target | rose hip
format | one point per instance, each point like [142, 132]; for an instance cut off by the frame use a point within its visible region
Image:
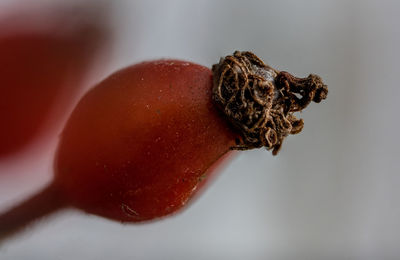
[145, 137]
[140, 144]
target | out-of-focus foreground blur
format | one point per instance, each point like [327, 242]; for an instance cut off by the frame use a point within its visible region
[45, 56]
[331, 193]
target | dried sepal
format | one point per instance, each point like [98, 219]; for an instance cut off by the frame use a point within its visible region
[259, 101]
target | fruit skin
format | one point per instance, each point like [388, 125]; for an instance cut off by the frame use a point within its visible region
[41, 71]
[139, 144]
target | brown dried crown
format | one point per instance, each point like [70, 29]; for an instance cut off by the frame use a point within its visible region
[259, 101]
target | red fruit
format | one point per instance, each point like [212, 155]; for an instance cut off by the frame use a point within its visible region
[139, 145]
[41, 70]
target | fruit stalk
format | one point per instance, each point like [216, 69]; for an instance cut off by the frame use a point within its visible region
[47, 201]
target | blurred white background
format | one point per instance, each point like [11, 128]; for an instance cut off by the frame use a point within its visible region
[331, 193]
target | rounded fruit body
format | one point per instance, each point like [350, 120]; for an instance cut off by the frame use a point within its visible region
[139, 145]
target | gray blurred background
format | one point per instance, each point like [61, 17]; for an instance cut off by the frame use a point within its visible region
[331, 193]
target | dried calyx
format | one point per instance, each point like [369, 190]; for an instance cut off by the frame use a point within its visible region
[260, 101]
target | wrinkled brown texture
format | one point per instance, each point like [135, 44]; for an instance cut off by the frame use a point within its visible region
[260, 101]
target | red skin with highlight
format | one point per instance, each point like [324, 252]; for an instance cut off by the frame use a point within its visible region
[139, 145]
